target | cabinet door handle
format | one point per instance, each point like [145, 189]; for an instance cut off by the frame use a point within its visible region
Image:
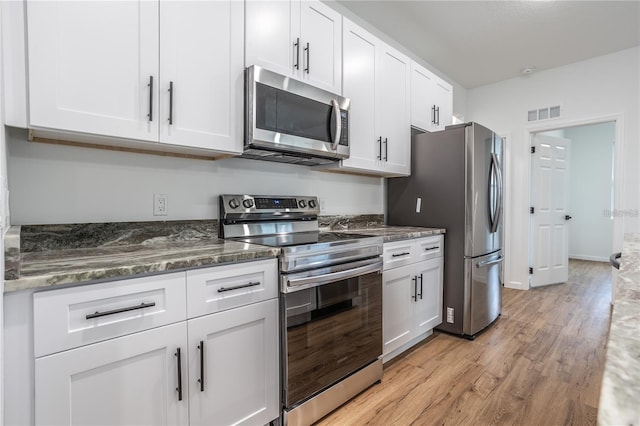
[150, 86]
[236, 287]
[296, 45]
[433, 114]
[415, 289]
[386, 149]
[380, 148]
[307, 49]
[431, 248]
[170, 103]
[420, 286]
[438, 116]
[179, 361]
[118, 311]
[201, 379]
[400, 254]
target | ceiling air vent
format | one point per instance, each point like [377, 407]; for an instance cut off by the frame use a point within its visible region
[543, 113]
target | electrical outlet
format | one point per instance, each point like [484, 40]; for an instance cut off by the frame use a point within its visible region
[160, 204]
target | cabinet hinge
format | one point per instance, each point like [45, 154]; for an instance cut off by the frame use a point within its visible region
[530, 270]
[532, 210]
[533, 149]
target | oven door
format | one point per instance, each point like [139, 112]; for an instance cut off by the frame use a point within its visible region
[330, 331]
[288, 115]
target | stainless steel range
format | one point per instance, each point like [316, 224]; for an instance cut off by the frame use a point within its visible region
[331, 300]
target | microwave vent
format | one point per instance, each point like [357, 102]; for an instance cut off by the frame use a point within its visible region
[279, 157]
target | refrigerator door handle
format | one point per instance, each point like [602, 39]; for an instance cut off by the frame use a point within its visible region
[495, 193]
[498, 170]
[486, 263]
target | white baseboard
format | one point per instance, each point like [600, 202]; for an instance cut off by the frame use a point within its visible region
[516, 285]
[587, 257]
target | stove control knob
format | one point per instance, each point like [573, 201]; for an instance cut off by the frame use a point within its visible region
[302, 204]
[234, 203]
[248, 203]
[312, 204]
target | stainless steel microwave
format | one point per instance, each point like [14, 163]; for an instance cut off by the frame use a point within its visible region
[287, 120]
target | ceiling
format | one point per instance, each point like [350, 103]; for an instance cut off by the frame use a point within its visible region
[482, 42]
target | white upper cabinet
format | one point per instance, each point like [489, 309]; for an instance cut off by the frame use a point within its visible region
[201, 74]
[431, 100]
[91, 65]
[301, 39]
[168, 71]
[376, 79]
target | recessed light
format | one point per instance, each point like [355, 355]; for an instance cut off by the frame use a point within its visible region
[527, 70]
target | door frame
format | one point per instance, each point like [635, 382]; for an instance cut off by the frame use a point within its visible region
[618, 169]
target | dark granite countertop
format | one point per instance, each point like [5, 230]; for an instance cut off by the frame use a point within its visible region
[39, 256]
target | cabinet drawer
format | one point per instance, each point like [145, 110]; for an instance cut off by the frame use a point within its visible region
[429, 248]
[225, 287]
[76, 316]
[398, 253]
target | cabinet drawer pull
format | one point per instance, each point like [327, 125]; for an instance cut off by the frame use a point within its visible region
[201, 379]
[400, 254]
[179, 388]
[150, 86]
[251, 284]
[380, 148]
[431, 248]
[420, 287]
[118, 311]
[386, 149]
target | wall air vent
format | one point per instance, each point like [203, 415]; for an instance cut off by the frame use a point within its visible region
[543, 113]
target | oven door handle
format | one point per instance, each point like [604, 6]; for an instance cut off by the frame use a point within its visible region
[335, 276]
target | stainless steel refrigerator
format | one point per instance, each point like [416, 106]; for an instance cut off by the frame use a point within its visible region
[456, 183]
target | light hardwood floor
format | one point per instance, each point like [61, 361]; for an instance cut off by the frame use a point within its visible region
[540, 363]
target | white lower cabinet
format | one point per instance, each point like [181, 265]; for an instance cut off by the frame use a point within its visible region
[412, 293]
[131, 380]
[219, 368]
[234, 366]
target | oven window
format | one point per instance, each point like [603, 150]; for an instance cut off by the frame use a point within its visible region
[331, 331]
[284, 112]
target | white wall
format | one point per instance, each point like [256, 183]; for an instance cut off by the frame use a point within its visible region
[591, 229]
[602, 87]
[61, 184]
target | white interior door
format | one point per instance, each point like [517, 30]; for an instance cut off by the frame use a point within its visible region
[550, 200]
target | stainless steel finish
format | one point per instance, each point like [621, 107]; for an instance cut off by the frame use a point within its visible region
[483, 296]
[296, 45]
[171, 103]
[386, 149]
[320, 255]
[458, 174]
[276, 146]
[308, 50]
[322, 404]
[317, 277]
[380, 148]
[262, 228]
[335, 115]
[120, 310]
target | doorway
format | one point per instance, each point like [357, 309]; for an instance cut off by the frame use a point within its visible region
[572, 198]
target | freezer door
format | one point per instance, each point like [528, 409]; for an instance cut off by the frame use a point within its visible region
[483, 219]
[483, 292]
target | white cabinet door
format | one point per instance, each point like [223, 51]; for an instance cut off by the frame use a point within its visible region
[90, 67]
[321, 46]
[428, 306]
[397, 311]
[131, 380]
[234, 366]
[201, 74]
[361, 53]
[298, 39]
[393, 118]
[431, 100]
[271, 35]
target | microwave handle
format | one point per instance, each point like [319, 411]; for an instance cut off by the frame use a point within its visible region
[335, 116]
